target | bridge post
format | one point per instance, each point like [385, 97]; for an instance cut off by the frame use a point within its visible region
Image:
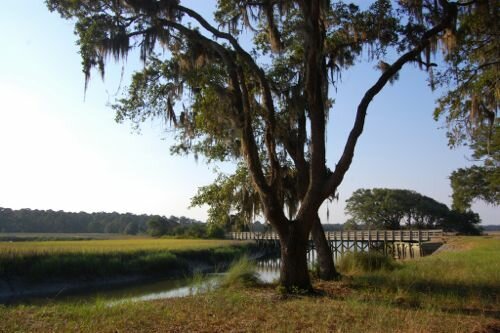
[334, 244]
[369, 239]
[410, 244]
[385, 242]
[355, 241]
[420, 243]
[341, 242]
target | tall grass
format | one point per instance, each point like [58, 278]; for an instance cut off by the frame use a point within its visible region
[364, 262]
[38, 261]
[242, 273]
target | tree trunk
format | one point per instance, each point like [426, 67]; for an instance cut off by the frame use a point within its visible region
[326, 267]
[294, 274]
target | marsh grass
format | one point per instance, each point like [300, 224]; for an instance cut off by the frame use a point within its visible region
[108, 245]
[44, 236]
[200, 283]
[242, 273]
[40, 261]
[365, 262]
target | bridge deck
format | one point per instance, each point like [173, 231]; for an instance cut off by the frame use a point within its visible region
[354, 236]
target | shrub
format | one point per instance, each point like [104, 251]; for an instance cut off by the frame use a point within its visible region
[362, 262]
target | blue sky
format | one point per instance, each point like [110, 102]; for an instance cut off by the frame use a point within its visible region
[62, 152]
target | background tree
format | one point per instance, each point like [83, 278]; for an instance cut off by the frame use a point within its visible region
[132, 228]
[267, 106]
[378, 208]
[466, 223]
[382, 208]
[158, 226]
[49, 221]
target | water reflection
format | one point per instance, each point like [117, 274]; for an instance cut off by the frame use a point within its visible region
[269, 267]
[209, 283]
[145, 289]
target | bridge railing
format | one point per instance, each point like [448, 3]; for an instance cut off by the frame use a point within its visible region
[357, 235]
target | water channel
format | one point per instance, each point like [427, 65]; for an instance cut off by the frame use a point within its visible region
[268, 271]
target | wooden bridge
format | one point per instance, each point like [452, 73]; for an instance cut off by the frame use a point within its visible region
[398, 243]
[354, 236]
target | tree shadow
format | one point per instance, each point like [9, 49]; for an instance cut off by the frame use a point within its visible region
[443, 289]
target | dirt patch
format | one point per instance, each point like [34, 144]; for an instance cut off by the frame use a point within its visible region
[455, 244]
[489, 328]
[332, 289]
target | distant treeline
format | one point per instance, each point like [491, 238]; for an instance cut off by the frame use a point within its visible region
[491, 227]
[32, 220]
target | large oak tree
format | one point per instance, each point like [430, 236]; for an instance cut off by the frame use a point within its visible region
[266, 104]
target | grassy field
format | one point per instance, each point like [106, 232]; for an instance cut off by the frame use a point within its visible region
[456, 290]
[46, 260]
[44, 236]
[114, 245]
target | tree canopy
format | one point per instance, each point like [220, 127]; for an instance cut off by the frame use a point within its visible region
[476, 182]
[50, 221]
[382, 208]
[267, 104]
[469, 105]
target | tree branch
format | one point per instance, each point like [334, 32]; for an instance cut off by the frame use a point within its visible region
[251, 153]
[346, 159]
[265, 86]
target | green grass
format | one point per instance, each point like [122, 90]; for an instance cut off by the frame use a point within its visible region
[467, 274]
[453, 291]
[114, 245]
[40, 261]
